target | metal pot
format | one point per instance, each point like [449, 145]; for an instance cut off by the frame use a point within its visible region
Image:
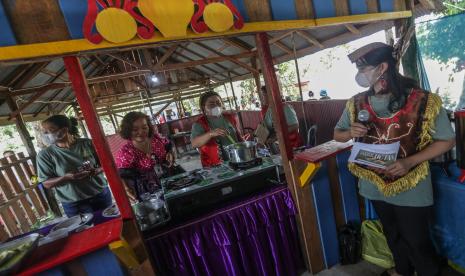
[242, 152]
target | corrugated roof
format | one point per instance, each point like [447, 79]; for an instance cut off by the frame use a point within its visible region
[190, 53]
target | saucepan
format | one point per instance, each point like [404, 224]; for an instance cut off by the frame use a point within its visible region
[242, 152]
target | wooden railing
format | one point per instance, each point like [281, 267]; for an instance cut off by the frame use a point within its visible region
[22, 203]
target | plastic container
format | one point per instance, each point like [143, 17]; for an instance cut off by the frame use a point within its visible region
[11, 266]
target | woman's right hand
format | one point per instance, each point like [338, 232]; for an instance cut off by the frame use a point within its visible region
[78, 175]
[358, 130]
[217, 132]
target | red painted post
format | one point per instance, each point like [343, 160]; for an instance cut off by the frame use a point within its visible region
[264, 53]
[81, 90]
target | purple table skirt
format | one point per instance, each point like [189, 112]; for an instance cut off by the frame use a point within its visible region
[257, 236]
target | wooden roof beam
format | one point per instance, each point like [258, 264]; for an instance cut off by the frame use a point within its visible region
[38, 94]
[131, 108]
[169, 52]
[66, 96]
[274, 39]
[128, 102]
[149, 59]
[192, 64]
[428, 4]
[238, 43]
[334, 41]
[204, 57]
[15, 75]
[310, 39]
[352, 29]
[233, 60]
[131, 63]
[280, 45]
[53, 74]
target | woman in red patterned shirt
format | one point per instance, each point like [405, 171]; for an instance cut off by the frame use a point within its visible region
[141, 159]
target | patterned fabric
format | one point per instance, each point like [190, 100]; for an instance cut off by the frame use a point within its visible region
[138, 169]
[411, 126]
[130, 157]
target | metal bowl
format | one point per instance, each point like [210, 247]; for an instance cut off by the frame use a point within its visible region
[242, 152]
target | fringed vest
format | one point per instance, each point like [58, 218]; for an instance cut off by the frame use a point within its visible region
[411, 126]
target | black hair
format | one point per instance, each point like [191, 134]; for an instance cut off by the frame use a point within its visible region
[128, 121]
[398, 85]
[204, 97]
[61, 121]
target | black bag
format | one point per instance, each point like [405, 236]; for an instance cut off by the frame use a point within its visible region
[350, 244]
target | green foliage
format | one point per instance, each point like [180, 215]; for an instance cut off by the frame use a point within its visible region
[447, 101]
[288, 78]
[8, 131]
[249, 93]
[444, 40]
[453, 7]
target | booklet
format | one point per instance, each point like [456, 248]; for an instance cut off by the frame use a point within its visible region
[374, 155]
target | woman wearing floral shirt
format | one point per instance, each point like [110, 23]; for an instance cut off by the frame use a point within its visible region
[140, 159]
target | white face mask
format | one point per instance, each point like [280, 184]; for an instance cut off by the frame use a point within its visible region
[52, 138]
[216, 111]
[366, 79]
[49, 138]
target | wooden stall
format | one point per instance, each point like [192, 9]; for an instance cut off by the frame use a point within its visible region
[104, 58]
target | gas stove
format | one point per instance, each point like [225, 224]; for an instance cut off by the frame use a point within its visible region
[246, 165]
[199, 191]
[184, 181]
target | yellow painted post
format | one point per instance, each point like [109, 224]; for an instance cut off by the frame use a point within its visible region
[125, 254]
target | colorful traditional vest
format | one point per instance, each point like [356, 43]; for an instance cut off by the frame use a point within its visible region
[411, 126]
[210, 154]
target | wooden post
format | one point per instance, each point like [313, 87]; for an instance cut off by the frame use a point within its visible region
[256, 77]
[112, 119]
[79, 119]
[233, 92]
[115, 116]
[147, 95]
[81, 90]
[299, 83]
[303, 198]
[241, 122]
[227, 95]
[22, 130]
[274, 95]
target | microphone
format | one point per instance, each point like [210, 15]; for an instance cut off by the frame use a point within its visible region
[363, 117]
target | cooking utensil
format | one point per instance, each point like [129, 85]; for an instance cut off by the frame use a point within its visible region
[242, 152]
[111, 212]
[230, 139]
[75, 223]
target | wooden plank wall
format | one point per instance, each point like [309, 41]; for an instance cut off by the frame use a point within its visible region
[22, 204]
[36, 21]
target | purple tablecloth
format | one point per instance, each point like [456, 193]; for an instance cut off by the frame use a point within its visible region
[257, 236]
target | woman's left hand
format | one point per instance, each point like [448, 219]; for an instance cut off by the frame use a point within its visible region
[96, 171]
[170, 159]
[399, 168]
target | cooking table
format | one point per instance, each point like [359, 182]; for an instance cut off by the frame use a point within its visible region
[90, 247]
